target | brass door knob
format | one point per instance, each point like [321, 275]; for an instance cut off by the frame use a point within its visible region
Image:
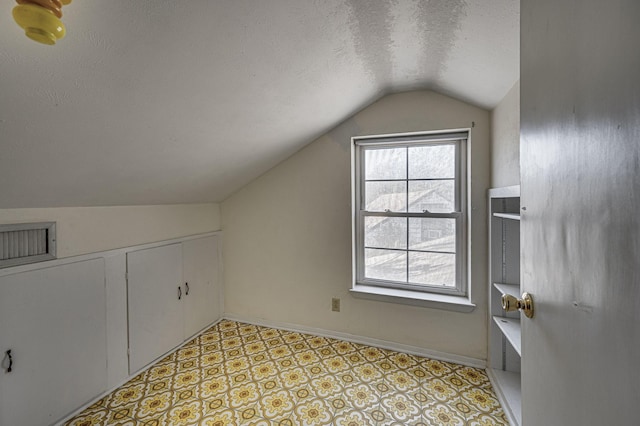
[511, 303]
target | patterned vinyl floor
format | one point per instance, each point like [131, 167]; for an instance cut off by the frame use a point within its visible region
[242, 374]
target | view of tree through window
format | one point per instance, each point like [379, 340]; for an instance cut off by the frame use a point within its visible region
[410, 212]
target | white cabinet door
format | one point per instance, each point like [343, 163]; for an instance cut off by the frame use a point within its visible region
[201, 306]
[155, 294]
[54, 322]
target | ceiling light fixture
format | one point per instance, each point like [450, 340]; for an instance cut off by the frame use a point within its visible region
[40, 19]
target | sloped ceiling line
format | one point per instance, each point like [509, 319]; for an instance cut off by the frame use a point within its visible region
[167, 102]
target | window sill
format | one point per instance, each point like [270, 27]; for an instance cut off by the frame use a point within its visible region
[407, 297]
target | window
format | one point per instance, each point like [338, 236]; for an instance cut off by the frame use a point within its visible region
[410, 212]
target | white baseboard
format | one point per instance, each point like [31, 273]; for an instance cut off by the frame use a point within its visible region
[384, 344]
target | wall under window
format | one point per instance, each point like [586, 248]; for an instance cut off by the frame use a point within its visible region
[287, 245]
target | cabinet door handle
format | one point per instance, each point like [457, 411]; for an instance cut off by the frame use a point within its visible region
[179, 293]
[187, 286]
[8, 355]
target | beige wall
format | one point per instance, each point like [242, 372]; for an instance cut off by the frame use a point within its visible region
[82, 230]
[505, 140]
[287, 243]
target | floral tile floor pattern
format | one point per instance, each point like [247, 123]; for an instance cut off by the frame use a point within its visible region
[242, 374]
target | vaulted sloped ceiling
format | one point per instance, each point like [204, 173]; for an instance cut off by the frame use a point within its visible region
[167, 101]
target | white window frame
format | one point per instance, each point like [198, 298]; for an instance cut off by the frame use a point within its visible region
[390, 288]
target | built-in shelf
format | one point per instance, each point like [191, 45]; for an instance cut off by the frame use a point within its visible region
[507, 385]
[505, 339]
[512, 289]
[512, 216]
[510, 327]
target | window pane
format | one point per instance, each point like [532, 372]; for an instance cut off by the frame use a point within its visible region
[437, 196]
[388, 163]
[385, 265]
[382, 196]
[432, 234]
[432, 269]
[432, 162]
[385, 232]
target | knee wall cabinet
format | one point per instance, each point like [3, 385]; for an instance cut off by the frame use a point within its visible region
[172, 294]
[504, 278]
[53, 320]
[69, 322]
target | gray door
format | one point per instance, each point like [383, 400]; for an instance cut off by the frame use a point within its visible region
[580, 183]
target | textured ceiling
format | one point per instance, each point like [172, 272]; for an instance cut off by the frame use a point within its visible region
[166, 101]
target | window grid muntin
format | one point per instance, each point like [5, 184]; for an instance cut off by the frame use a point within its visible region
[407, 250]
[408, 285]
[459, 214]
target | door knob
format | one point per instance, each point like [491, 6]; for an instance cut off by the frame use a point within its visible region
[512, 303]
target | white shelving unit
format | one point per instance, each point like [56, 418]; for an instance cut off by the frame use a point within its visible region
[511, 216]
[504, 275]
[512, 289]
[510, 328]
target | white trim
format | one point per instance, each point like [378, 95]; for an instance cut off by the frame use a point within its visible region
[443, 301]
[418, 133]
[460, 139]
[369, 341]
[100, 254]
[131, 376]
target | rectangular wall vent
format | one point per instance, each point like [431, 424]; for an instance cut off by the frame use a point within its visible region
[23, 243]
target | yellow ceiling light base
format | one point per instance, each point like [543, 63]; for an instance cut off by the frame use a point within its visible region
[40, 19]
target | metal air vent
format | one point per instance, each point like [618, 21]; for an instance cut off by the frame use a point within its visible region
[27, 243]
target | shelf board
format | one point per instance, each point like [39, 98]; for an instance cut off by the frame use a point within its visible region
[512, 216]
[510, 327]
[512, 289]
[505, 192]
[508, 390]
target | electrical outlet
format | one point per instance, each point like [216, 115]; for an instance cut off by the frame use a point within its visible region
[335, 304]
